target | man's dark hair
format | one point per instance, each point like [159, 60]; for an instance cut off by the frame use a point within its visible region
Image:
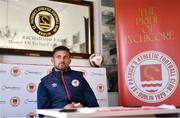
[59, 48]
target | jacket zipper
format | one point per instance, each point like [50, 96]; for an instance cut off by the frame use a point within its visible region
[66, 89]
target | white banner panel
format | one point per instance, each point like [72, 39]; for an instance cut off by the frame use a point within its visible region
[19, 82]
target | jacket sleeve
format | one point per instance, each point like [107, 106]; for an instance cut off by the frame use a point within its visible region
[89, 96]
[43, 100]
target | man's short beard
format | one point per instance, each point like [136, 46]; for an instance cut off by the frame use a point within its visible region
[64, 69]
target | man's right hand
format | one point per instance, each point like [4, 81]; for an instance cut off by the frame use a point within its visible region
[73, 105]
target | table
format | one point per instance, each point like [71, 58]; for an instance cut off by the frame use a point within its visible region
[111, 112]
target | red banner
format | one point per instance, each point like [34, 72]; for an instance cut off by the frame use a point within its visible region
[148, 44]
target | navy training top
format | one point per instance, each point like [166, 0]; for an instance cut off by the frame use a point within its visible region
[53, 93]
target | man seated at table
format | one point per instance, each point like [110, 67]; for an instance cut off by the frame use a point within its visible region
[63, 87]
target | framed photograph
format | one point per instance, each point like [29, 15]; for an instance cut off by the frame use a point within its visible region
[36, 27]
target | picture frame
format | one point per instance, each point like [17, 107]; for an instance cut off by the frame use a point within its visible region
[36, 29]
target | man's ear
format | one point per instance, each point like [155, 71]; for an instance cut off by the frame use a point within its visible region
[69, 61]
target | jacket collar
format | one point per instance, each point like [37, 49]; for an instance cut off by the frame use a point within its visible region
[57, 72]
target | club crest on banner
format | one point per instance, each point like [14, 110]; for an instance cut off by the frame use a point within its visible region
[15, 71]
[31, 115]
[152, 76]
[31, 87]
[15, 101]
[100, 87]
